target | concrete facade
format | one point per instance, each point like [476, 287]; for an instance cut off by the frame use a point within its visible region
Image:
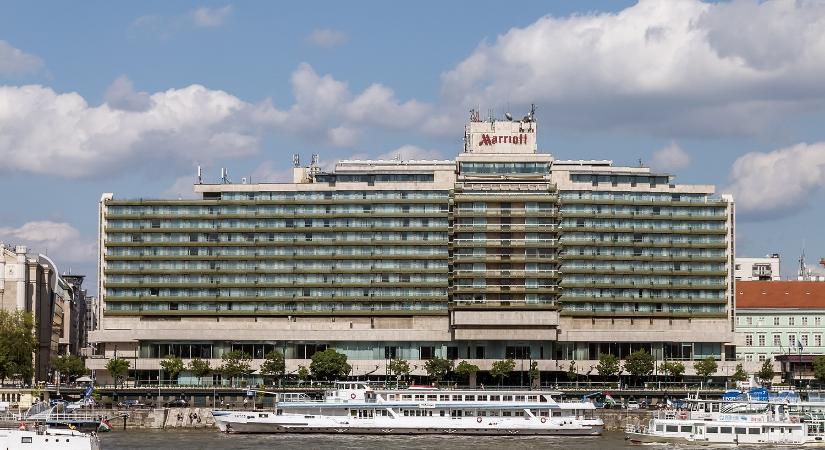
[502, 252]
[758, 269]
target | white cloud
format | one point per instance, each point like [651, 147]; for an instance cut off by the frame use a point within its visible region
[211, 17]
[58, 240]
[670, 158]
[412, 152]
[269, 172]
[45, 132]
[670, 68]
[183, 187]
[327, 38]
[780, 181]
[15, 62]
[121, 95]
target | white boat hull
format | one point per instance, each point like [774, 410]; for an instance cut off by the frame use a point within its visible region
[48, 440]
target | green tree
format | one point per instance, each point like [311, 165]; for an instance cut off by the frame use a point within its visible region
[534, 374]
[500, 369]
[235, 364]
[399, 368]
[438, 368]
[303, 373]
[672, 368]
[608, 365]
[117, 368]
[17, 345]
[172, 365]
[200, 368]
[572, 373]
[329, 365]
[274, 364]
[69, 366]
[639, 364]
[819, 368]
[705, 367]
[739, 374]
[766, 372]
[465, 369]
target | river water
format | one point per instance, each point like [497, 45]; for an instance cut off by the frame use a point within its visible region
[199, 440]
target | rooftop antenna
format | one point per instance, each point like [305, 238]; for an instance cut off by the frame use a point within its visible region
[224, 175]
[803, 270]
[640, 163]
[313, 165]
[200, 175]
[532, 112]
[296, 160]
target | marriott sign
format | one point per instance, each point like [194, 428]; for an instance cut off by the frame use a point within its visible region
[487, 139]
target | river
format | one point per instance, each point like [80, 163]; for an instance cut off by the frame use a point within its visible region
[213, 440]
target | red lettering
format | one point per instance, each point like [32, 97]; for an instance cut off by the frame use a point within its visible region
[485, 140]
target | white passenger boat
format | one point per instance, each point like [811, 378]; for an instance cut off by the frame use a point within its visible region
[357, 408]
[40, 437]
[729, 422]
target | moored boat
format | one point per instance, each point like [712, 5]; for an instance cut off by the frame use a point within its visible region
[357, 408]
[41, 437]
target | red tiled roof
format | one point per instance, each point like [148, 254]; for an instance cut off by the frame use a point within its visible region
[780, 294]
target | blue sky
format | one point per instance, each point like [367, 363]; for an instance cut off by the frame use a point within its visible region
[129, 97]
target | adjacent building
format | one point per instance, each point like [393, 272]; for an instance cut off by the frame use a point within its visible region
[783, 321]
[757, 269]
[31, 283]
[504, 252]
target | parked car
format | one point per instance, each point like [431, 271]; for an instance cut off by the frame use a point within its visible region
[632, 404]
[131, 404]
[177, 403]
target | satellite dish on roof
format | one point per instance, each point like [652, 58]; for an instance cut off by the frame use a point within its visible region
[508, 116]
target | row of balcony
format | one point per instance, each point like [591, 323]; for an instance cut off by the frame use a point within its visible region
[262, 229]
[640, 202]
[257, 284]
[284, 257]
[281, 243]
[308, 201]
[640, 285]
[634, 215]
[320, 270]
[272, 215]
[568, 299]
[570, 256]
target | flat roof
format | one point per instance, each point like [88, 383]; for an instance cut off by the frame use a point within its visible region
[780, 294]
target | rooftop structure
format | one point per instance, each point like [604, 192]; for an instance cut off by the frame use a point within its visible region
[758, 269]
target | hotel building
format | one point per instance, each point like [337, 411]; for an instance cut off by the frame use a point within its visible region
[504, 252]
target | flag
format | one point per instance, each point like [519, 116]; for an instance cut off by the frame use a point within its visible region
[799, 344]
[609, 399]
[88, 392]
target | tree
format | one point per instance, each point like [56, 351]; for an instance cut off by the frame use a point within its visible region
[303, 373]
[17, 345]
[673, 369]
[200, 368]
[465, 369]
[766, 372]
[69, 366]
[399, 368]
[705, 367]
[739, 374]
[819, 368]
[329, 365]
[274, 364]
[235, 364]
[117, 368]
[438, 368]
[501, 369]
[534, 374]
[172, 365]
[608, 365]
[572, 373]
[639, 364]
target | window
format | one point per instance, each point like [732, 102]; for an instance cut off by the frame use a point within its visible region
[818, 340]
[776, 321]
[762, 358]
[672, 429]
[777, 340]
[791, 321]
[427, 352]
[741, 430]
[804, 340]
[761, 340]
[749, 320]
[817, 321]
[749, 340]
[792, 340]
[712, 430]
[687, 428]
[804, 321]
[748, 357]
[725, 430]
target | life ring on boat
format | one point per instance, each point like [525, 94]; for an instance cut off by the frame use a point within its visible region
[352, 396]
[479, 419]
[794, 419]
[683, 415]
[544, 420]
[22, 426]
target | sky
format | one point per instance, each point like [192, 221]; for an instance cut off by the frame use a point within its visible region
[130, 97]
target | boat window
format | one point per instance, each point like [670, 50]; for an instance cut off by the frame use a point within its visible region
[470, 398]
[672, 428]
[432, 398]
[493, 414]
[519, 398]
[419, 397]
[263, 415]
[754, 431]
[507, 398]
[713, 430]
[279, 412]
[687, 428]
[495, 398]
[544, 413]
[26, 440]
[741, 430]
[715, 407]
[660, 428]
[482, 398]
[725, 430]
[406, 413]
[391, 397]
[532, 398]
[456, 398]
[556, 413]
[518, 413]
[444, 398]
[406, 397]
[441, 413]
[505, 414]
